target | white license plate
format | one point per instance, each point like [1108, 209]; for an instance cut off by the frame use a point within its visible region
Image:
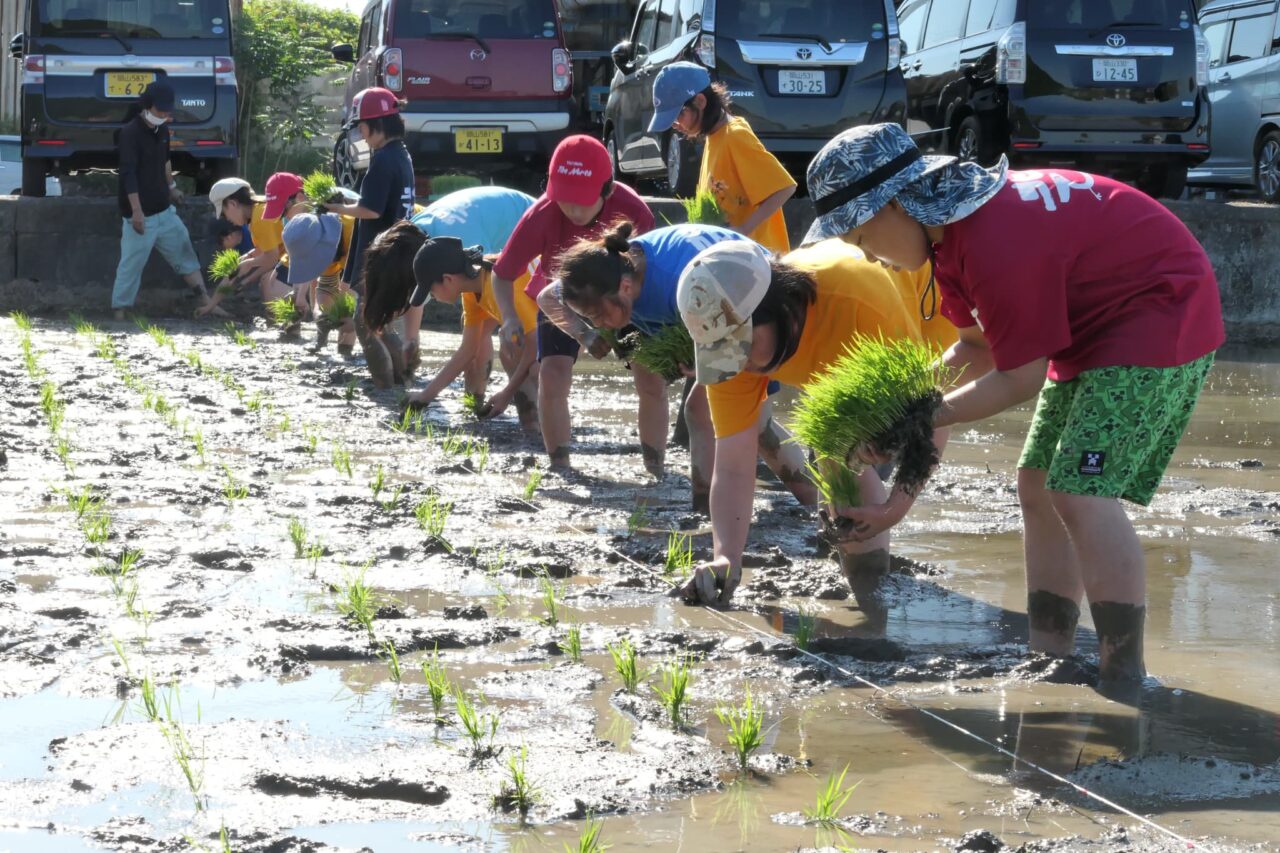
[1115, 71]
[802, 82]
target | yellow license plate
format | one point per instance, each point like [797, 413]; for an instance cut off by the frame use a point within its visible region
[128, 84]
[478, 140]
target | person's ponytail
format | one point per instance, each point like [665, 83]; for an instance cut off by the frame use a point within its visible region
[593, 269]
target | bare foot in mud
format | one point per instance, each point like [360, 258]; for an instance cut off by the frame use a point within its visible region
[211, 311]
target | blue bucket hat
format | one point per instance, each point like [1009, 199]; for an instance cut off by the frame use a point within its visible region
[311, 241]
[864, 168]
[672, 89]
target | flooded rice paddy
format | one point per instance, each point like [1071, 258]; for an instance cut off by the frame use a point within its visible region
[215, 685]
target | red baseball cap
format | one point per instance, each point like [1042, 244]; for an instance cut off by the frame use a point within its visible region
[580, 167]
[374, 102]
[280, 188]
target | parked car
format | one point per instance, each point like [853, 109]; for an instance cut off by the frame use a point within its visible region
[84, 63]
[1244, 88]
[11, 169]
[1111, 86]
[488, 83]
[799, 71]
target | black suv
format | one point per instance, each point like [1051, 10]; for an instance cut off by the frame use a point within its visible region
[1111, 86]
[799, 71]
[84, 62]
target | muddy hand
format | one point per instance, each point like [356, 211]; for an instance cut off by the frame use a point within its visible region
[599, 348]
[712, 584]
[512, 339]
[494, 406]
[868, 522]
[869, 454]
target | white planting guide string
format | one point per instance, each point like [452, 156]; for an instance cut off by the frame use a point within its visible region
[751, 629]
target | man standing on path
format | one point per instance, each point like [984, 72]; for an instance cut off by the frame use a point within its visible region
[146, 196]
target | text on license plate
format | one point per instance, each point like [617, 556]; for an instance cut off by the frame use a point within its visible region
[478, 140]
[1115, 71]
[128, 84]
[802, 82]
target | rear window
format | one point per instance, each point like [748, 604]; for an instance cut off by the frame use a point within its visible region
[488, 19]
[832, 20]
[1101, 14]
[179, 19]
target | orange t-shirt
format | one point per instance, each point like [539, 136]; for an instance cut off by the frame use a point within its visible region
[854, 297]
[478, 307]
[742, 174]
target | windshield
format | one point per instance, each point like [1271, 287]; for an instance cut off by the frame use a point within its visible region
[1101, 14]
[834, 21]
[133, 18]
[488, 19]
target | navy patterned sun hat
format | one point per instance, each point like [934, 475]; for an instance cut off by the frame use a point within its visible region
[863, 168]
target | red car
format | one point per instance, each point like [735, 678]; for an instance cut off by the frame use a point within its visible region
[489, 83]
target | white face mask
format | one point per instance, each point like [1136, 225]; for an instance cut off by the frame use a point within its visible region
[153, 119]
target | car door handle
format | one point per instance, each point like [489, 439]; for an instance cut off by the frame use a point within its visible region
[916, 66]
[1225, 78]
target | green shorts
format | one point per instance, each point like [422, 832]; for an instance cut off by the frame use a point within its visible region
[1111, 432]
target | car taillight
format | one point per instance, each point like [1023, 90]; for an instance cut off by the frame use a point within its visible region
[1011, 56]
[561, 71]
[1202, 57]
[393, 69]
[33, 68]
[707, 50]
[224, 71]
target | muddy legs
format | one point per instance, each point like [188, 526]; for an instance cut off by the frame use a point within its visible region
[555, 376]
[784, 457]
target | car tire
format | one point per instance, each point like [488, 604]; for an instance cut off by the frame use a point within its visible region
[972, 142]
[611, 145]
[344, 171]
[1266, 167]
[1162, 181]
[682, 166]
[34, 170]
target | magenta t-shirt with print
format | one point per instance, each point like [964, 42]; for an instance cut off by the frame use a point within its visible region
[544, 232]
[1083, 270]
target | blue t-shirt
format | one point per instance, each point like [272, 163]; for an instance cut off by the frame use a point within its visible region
[246, 240]
[667, 251]
[478, 216]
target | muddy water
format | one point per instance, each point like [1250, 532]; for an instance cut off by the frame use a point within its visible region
[299, 738]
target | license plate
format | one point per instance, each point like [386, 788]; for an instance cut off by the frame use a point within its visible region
[128, 84]
[1115, 71]
[478, 140]
[802, 82]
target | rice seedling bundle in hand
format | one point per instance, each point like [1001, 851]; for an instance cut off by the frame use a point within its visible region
[319, 187]
[225, 265]
[284, 312]
[662, 353]
[704, 209]
[341, 309]
[880, 393]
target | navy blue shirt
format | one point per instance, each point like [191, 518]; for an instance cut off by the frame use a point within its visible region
[388, 190]
[667, 251]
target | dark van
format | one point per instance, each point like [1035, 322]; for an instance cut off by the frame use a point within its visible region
[84, 62]
[1110, 86]
[488, 82]
[799, 72]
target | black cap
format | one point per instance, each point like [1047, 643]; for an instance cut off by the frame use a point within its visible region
[438, 257]
[159, 95]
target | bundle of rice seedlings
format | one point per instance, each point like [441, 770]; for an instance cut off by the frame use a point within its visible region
[662, 353]
[283, 311]
[836, 482]
[880, 393]
[319, 187]
[225, 265]
[704, 209]
[342, 308]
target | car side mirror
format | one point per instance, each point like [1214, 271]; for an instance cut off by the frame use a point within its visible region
[622, 54]
[343, 52]
[18, 46]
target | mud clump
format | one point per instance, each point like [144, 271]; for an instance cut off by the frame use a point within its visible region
[979, 841]
[424, 794]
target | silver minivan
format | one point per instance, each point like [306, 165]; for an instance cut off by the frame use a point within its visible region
[1244, 90]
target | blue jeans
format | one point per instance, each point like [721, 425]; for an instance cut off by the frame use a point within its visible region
[163, 231]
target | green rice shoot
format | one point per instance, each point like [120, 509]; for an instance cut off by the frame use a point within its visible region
[225, 265]
[589, 841]
[571, 645]
[673, 691]
[745, 728]
[626, 664]
[665, 352]
[518, 792]
[284, 311]
[341, 309]
[831, 799]
[704, 209]
[437, 680]
[679, 559]
[319, 187]
[836, 482]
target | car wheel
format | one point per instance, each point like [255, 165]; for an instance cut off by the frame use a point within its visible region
[682, 167]
[33, 174]
[611, 145]
[344, 171]
[1266, 170]
[1162, 181]
[972, 142]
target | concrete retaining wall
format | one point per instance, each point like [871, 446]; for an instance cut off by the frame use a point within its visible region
[58, 255]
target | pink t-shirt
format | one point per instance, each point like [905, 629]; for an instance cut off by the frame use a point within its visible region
[1083, 270]
[544, 232]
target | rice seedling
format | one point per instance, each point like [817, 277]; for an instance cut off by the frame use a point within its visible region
[350, 393]
[482, 457]
[437, 679]
[150, 699]
[476, 726]
[21, 320]
[284, 311]
[254, 403]
[572, 643]
[389, 654]
[433, 515]
[879, 393]
[704, 209]
[406, 422]
[54, 410]
[665, 352]
[162, 338]
[679, 559]
[193, 358]
[339, 311]
[518, 792]
[551, 598]
[341, 459]
[390, 504]
[225, 265]
[472, 404]
[197, 441]
[82, 502]
[501, 598]
[358, 602]
[453, 443]
[309, 439]
[128, 561]
[673, 692]
[241, 339]
[319, 187]
[745, 725]
[638, 519]
[30, 360]
[313, 553]
[589, 841]
[379, 481]
[831, 799]
[837, 483]
[531, 485]
[297, 535]
[105, 348]
[62, 449]
[626, 662]
[231, 489]
[806, 626]
[118, 647]
[184, 754]
[97, 528]
[285, 423]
